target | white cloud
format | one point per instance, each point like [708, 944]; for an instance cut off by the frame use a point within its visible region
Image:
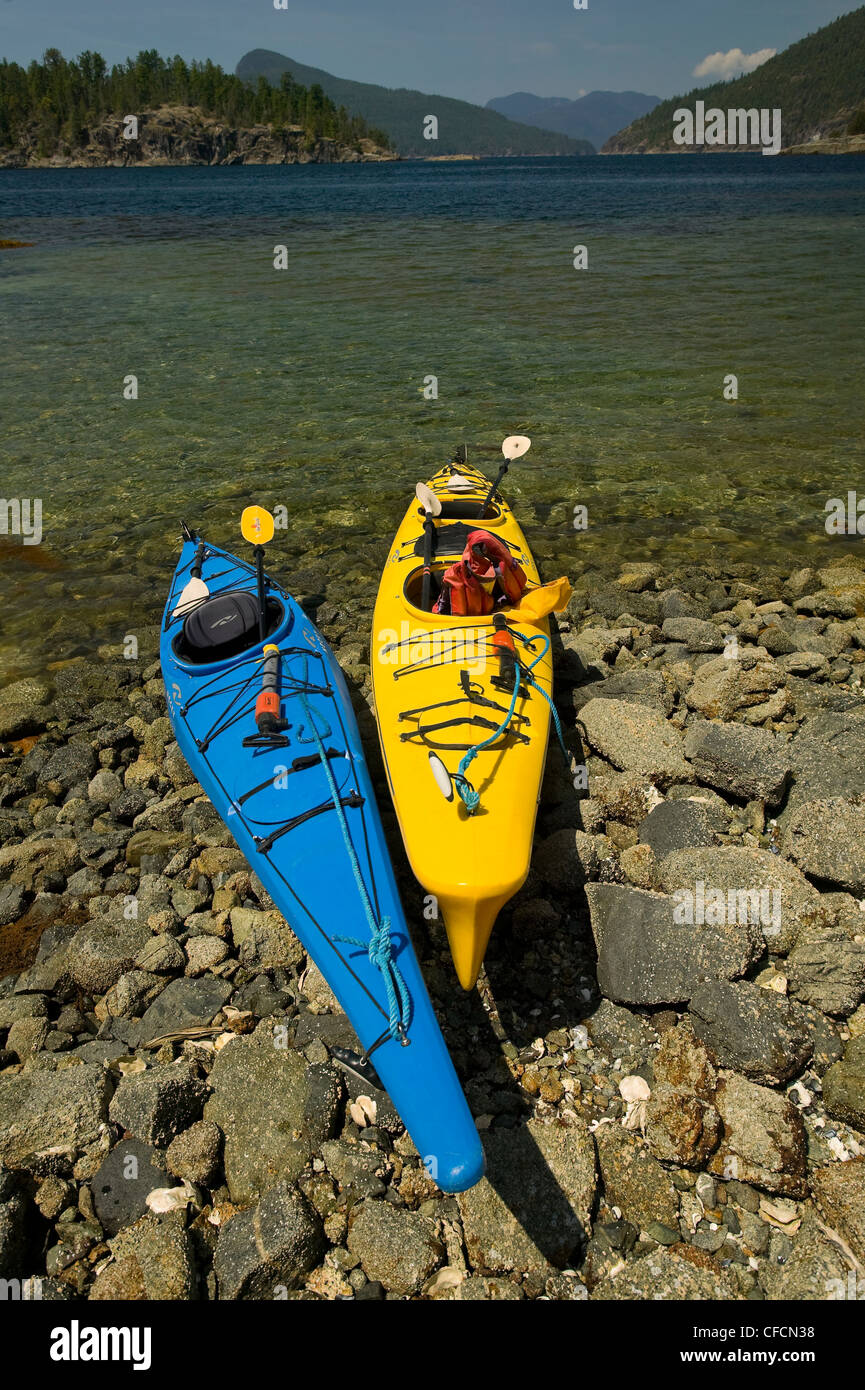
[733, 62]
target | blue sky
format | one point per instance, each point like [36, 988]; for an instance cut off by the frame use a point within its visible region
[474, 49]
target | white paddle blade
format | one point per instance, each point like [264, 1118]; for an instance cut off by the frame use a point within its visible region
[515, 446]
[194, 592]
[428, 499]
[442, 776]
[457, 483]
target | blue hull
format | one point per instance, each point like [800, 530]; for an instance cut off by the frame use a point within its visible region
[307, 869]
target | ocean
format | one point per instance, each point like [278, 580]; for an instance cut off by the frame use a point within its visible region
[423, 305]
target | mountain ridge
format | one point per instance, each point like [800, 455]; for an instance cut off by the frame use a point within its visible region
[818, 83]
[594, 117]
[464, 129]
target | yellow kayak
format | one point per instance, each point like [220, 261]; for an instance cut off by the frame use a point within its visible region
[440, 689]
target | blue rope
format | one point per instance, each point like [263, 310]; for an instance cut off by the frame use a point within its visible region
[469, 797]
[557, 723]
[380, 945]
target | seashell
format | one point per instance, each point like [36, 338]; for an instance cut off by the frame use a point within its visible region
[129, 1066]
[634, 1088]
[163, 1199]
[446, 1278]
[363, 1111]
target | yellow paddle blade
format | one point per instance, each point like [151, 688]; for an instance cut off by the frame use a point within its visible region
[256, 525]
[536, 604]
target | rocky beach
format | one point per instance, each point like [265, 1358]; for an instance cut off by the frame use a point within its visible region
[665, 1055]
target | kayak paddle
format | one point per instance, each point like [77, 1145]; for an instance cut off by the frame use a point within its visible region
[513, 448]
[432, 508]
[257, 527]
[195, 590]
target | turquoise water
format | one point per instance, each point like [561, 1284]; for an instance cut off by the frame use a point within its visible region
[303, 388]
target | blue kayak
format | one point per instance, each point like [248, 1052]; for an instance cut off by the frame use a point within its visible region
[294, 789]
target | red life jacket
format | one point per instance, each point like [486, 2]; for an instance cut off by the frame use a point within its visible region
[471, 582]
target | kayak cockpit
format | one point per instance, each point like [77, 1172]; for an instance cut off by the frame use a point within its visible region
[226, 626]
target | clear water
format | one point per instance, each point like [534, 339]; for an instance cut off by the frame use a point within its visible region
[303, 388]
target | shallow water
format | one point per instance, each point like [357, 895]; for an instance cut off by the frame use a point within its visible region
[303, 388]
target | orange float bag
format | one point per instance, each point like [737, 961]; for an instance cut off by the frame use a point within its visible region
[470, 583]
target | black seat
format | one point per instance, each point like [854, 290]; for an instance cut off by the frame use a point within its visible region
[223, 626]
[450, 540]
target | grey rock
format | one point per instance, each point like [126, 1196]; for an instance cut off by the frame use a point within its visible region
[827, 840]
[27, 1037]
[645, 957]
[752, 1030]
[827, 969]
[633, 1180]
[196, 1153]
[18, 1230]
[183, 1004]
[398, 1248]
[102, 951]
[161, 955]
[153, 1260]
[51, 1110]
[612, 603]
[155, 1105]
[270, 1248]
[357, 1170]
[567, 860]
[828, 757]
[122, 1182]
[816, 1269]
[825, 1038]
[640, 687]
[839, 1196]
[25, 862]
[533, 1209]
[726, 686]
[72, 764]
[24, 708]
[680, 824]
[132, 993]
[12, 903]
[636, 738]
[734, 758]
[19, 1006]
[665, 1277]
[104, 787]
[265, 941]
[273, 1108]
[764, 1138]
[755, 876]
[844, 1085]
[617, 1030]
[698, 636]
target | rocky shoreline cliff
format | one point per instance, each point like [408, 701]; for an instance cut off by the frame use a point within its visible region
[183, 135]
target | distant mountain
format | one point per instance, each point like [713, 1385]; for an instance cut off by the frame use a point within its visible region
[594, 117]
[818, 84]
[463, 128]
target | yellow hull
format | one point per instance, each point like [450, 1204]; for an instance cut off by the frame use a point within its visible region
[472, 864]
